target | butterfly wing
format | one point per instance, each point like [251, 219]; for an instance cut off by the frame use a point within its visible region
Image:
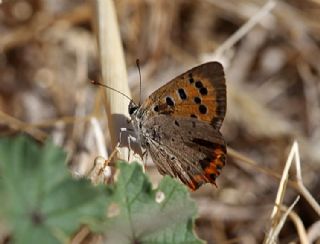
[199, 93]
[187, 148]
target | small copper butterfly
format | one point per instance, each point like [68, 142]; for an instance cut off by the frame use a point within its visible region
[178, 125]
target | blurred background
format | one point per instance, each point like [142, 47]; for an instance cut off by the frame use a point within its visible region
[48, 54]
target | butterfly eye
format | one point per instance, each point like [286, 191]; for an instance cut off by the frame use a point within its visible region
[132, 108]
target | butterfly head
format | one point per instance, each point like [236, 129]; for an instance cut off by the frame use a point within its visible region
[132, 108]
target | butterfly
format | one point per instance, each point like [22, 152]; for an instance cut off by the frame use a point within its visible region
[178, 125]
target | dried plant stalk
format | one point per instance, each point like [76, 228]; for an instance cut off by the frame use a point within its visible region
[114, 73]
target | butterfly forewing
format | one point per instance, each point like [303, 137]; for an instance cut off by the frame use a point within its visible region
[198, 93]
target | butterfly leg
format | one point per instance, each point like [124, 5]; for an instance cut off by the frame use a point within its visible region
[130, 139]
[120, 134]
[123, 130]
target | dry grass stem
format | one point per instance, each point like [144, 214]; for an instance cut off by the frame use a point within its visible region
[278, 222]
[272, 235]
[245, 28]
[297, 185]
[300, 227]
[99, 138]
[114, 73]
[294, 153]
[18, 125]
[301, 187]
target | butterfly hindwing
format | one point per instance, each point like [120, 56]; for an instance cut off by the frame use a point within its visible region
[198, 93]
[192, 150]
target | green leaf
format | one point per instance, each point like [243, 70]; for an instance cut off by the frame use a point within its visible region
[39, 199]
[139, 214]
[43, 204]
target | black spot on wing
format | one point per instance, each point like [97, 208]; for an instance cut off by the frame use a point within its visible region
[205, 143]
[205, 162]
[169, 101]
[197, 100]
[182, 93]
[203, 91]
[198, 84]
[202, 109]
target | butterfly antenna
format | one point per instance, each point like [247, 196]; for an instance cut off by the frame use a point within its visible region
[101, 84]
[138, 66]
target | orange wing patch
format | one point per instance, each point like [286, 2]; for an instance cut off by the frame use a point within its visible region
[211, 165]
[198, 93]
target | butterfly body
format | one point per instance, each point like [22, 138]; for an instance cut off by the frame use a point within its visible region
[179, 125]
